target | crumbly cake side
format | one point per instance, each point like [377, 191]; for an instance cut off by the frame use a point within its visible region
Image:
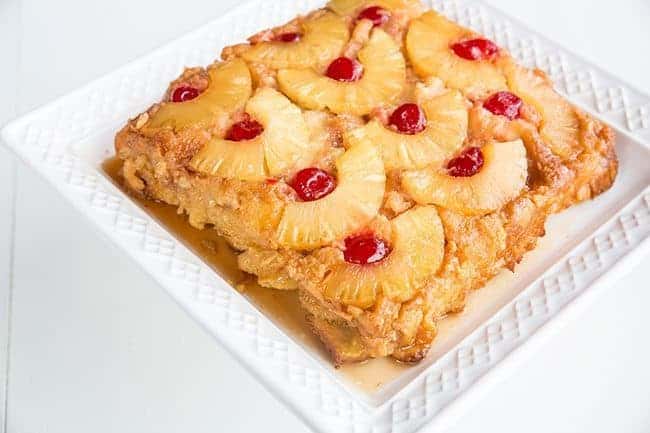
[374, 156]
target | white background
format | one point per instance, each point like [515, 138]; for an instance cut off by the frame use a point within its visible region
[88, 343]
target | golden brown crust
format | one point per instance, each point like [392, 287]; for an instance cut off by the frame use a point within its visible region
[476, 248]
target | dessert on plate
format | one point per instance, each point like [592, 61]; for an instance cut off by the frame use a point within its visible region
[376, 157]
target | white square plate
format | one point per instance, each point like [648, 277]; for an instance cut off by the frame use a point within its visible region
[67, 141]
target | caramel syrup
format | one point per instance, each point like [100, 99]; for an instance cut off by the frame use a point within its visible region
[281, 306]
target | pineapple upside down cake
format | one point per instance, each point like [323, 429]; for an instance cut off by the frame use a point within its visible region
[377, 158]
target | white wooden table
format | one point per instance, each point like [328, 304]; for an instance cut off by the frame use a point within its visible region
[77, 354]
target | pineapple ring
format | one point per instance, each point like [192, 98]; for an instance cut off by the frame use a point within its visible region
[561, 125]
[229, 89]
[322, 40]
[501, 179]
[428, 44]
[383, 80]
[418, 244]
[446, 130]
[355, 201]
[348, 7]
[284, 144]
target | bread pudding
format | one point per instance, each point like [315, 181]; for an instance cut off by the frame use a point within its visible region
[377, 158]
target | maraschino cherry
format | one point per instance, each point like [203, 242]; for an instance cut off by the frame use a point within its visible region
[365, 249]
[313, 184]
[245, 129]
[467, 164]
[288, 37]
[475, 49]
[504, 104]
[408, 119]
[344, 69]
[376, 14]
[184, 93]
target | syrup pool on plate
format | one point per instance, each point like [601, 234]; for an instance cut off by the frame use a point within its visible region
[281, 306]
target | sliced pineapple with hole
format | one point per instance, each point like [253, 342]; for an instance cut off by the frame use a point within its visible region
[322, 40]
[230, 86]
[383, 80]
[283, 145]
[560, 127]
[428, 45]
[417, 250]
[349, 7]
[355, 201]
[445, 132]
[499, 181]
